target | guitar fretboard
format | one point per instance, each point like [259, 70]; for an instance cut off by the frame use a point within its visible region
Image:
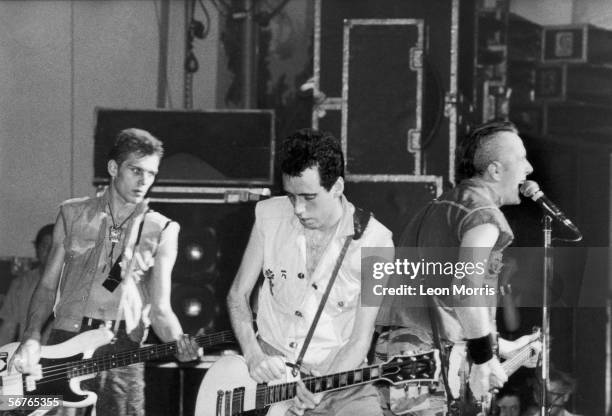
[267, 395]
[124, 358]
[512, 364]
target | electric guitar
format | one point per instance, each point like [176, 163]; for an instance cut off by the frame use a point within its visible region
[228, 390]
[458, 375]
[65, 365]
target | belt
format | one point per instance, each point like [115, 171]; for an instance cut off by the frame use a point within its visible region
[96, 323]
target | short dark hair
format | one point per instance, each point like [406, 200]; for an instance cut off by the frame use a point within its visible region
[473, 156]
[512, 391]
[307, 148]
[44, 231]
[508, 390]
[137, 141]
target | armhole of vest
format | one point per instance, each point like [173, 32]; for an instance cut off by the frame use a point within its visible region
[468, 214]
[166, 225]
[141, 226]
[62, 214]
[159, 238]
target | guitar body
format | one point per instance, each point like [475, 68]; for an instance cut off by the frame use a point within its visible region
[228, 389]
[65, 365]
[55, 360]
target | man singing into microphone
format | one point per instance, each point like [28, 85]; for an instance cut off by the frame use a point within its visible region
[492, 165]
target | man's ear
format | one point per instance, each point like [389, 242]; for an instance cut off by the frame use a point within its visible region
[338, 187]
[112, 167]
[494, 170]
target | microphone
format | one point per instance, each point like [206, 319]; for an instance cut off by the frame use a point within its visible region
[531, 189]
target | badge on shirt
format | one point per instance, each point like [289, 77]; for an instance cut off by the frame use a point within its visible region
[269, 274]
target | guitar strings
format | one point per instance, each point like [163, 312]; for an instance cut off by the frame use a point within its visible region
[206, 340]
[261, 388]
[123, 355]
[519, 357]
[290, 387]
[61, 371]
[286, 389]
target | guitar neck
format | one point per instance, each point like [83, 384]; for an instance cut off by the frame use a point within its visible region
[152, 352]
[280, 392]
[511, 365]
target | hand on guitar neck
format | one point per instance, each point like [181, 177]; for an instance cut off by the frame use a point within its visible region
[188, 348]
[62, 367]
[510, 349]
[266, 369]
[524, 351]
[484, 378]
[27, 356]
[305, 399]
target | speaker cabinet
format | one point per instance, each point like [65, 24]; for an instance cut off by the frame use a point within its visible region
[212, 240]
[221, 147]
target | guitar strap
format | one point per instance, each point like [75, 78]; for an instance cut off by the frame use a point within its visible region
[435, 330]
[443, 357]
[360, 222]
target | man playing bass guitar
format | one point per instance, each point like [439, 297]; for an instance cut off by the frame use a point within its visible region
[110, 264]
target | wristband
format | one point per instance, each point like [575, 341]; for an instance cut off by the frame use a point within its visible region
[480, 350]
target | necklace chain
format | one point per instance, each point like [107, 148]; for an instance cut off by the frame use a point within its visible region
[114, 231]
[113, 218]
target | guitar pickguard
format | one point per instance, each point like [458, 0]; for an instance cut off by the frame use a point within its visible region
[55, 380]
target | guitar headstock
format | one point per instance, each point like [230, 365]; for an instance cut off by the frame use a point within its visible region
[418, 367]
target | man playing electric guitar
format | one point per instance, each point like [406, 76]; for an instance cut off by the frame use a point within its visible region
[110, 264]
[467, 220]
[296, 242]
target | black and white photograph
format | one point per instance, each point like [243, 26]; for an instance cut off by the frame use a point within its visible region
[305, 207]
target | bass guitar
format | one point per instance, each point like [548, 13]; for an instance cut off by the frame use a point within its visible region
[65, 365]
[228, 390]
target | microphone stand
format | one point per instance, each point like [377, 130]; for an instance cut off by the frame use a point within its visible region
[548, 274]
